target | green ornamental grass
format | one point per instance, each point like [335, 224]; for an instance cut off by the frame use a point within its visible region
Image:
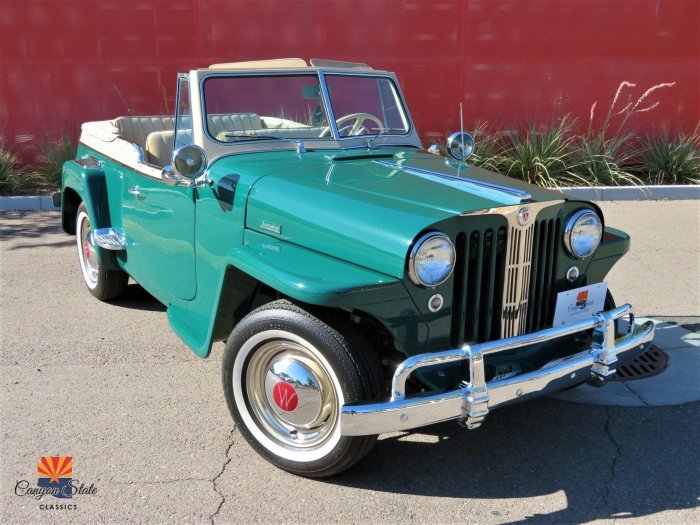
[670, 159]
[10, 170]
[52, 155]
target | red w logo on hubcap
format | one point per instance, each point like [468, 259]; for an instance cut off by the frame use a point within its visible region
[285, 396]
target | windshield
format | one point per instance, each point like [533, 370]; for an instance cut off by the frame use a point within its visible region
[365, 105]
[291, 107]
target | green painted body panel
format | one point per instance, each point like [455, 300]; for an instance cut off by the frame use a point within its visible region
[159, 226]
[322, 227]
[362, 210]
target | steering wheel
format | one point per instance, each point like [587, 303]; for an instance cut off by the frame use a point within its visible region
[356, 128]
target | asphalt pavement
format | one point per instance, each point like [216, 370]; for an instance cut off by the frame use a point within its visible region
[148, 429]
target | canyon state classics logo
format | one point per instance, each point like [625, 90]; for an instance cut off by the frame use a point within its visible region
[56, 472]
[55, 479]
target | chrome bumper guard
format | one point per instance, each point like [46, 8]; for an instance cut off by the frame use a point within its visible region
[471, 401]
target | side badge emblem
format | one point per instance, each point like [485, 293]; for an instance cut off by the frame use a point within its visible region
[274, 228]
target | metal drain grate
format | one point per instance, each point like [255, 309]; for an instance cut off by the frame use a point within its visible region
[652, 362]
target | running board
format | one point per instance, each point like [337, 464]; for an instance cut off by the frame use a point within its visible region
[109, 239]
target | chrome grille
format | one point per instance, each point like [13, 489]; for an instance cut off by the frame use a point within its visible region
[504, 277]
[515, 301]
[544, 261]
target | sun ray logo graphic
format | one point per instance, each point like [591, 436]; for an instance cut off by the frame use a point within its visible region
[56, 472]
[582, 298]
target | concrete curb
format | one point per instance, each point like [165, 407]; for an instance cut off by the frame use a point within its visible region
[634, 193]
[22, 203]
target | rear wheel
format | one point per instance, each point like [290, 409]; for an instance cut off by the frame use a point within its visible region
[286, 374]
[103, 283]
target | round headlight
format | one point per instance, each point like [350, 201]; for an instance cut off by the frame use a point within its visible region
[583, 233]
[432, 260]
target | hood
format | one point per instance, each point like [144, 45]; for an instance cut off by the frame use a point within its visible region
[367, 207]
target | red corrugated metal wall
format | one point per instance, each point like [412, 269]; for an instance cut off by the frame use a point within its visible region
[63, 62]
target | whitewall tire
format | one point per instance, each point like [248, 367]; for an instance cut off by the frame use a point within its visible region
[104, 284]
[286, 374]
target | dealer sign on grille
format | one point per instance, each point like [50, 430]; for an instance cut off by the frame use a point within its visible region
[581, 303]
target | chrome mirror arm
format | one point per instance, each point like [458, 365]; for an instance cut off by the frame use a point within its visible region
[172, 178]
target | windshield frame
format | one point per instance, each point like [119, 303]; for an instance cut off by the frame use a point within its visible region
[334, 140]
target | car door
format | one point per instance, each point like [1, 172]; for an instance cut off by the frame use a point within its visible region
[159, 224]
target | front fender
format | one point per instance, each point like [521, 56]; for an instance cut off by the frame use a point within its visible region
[300, 274]
[308, 276]
[614, 245]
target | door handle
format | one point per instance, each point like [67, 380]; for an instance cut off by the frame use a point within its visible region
[136, 191]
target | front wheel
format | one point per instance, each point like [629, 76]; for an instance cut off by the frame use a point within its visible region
[104, 284]
[286, 373]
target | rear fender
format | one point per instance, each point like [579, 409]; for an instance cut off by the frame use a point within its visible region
[86, 178]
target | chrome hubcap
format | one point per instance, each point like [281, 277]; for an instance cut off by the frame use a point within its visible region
[291, 394]
[88, 254]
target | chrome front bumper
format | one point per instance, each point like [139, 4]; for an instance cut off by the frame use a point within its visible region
[472, 400]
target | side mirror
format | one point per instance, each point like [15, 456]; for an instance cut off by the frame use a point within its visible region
[460, 146]
[189, 162]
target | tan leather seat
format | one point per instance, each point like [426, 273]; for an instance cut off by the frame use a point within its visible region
[155, 134]
[137, 129]
[159, 147]
[233, 122]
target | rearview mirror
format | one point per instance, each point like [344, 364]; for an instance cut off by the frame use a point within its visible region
[311, 92]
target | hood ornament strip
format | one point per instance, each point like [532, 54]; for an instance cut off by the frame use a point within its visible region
[521, 194]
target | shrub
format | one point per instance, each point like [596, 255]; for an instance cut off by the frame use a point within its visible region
[539, 157]
[604, 161]
[670, 159]
[486, 147]
[52, 155]
[11, 173]
[605, 157]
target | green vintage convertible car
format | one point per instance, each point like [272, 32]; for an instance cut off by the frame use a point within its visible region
[362, 284]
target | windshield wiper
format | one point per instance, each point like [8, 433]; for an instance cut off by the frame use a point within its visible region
[382, 132]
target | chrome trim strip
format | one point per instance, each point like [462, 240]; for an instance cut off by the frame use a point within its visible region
[521, 194]
[329, 108]
[136, 169]
[88, 161]
[141, 155]
[473, 399]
